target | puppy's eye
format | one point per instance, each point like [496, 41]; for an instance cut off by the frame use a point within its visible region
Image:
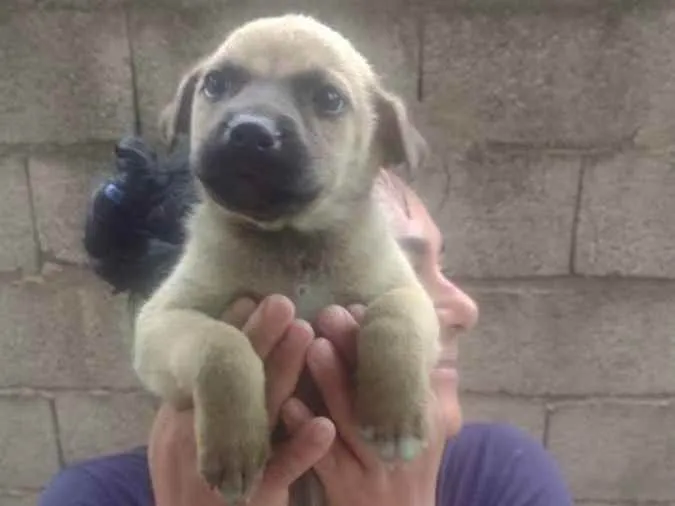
[329, 100]
[216, 84]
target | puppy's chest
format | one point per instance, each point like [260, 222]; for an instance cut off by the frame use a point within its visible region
[308, 276]
[311, 292]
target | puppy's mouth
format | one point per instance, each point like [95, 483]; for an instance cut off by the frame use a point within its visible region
[254, 170]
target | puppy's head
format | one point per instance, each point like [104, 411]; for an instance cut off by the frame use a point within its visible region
[288, 124]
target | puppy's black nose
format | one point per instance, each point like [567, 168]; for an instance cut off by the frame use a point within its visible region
[253, 132]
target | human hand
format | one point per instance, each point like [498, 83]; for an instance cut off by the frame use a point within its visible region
[352, 472]
[281, 341]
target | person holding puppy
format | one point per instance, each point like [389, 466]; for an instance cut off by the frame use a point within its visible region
[470, 464]
[288, 128]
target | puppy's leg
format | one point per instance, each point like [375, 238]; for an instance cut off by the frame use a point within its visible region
[182, 353]
[397, 349]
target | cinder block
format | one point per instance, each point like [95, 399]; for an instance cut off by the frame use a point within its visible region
[585, 78]
[528, 415]
[617, 503]
[64, 330]
[93, 424]
[574, 337]
[29, 453]
[81, 4]
[168, 42]
[503, 214]
[53, 90]
[18, 249]
[63, 182]
[613, 450]
[626, 217]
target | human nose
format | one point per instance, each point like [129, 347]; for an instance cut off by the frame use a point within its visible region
[455, 308]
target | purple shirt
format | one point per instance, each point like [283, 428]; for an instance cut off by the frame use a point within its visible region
[485, 465]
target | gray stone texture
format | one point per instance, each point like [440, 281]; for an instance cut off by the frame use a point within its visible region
[18, 249]
[572, 338]
[577, 79]
[615, 450]
[62, 182]
[520, 98]
[124, 418]
[626, 217]
[29, 453]
[504, 214]
[66, 75]
[63, 329]
[167, 43]
[526, 414]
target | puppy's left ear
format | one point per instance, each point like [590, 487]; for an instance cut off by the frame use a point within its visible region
[400, 143]
[174, 120]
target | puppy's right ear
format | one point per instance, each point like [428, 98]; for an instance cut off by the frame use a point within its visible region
[174, 120]
[399, 140]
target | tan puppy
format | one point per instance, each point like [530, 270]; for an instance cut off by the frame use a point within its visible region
[288, 126]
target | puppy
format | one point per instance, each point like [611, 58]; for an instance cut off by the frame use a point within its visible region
[288, 127]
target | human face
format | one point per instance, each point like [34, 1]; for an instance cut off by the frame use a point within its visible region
[423, 242]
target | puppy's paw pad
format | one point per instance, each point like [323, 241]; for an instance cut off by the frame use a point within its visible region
[230, 461]
[368, 433]
[410, 447]
[233, 492]
[386, 449]
[233, 484]
[404, 448]
[402, 436]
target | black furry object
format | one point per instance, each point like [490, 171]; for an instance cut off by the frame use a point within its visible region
[134, 226]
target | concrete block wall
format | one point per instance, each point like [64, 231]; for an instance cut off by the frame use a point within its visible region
[553, 128]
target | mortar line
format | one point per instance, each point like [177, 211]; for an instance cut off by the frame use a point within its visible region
[421, 35]
[138, 126]
[549, 398]
[541, 280]
[547, 425]
[577, 212]
[57, 433]
[39, 256]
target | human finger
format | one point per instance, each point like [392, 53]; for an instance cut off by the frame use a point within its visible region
[309, 442]
[336, 324]
[284, 365]
[268, 323]
[337, 391]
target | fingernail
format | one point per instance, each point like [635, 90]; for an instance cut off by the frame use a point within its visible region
[357, 311]
[306, 325]
[318, 352]
[325, 430]
[331, 318]
[292, 413]
[244, 304]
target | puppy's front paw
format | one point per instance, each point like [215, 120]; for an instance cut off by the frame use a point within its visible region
[232, 438]
[391, 395]
[394, 423]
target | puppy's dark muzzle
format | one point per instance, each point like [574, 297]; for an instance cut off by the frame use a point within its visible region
[252, 133]
[258, 165]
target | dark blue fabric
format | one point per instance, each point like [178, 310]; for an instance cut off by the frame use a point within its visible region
[116, 480]
[485, 465]
[499, 465]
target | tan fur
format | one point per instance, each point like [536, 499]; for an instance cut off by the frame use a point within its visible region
[337, 250]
